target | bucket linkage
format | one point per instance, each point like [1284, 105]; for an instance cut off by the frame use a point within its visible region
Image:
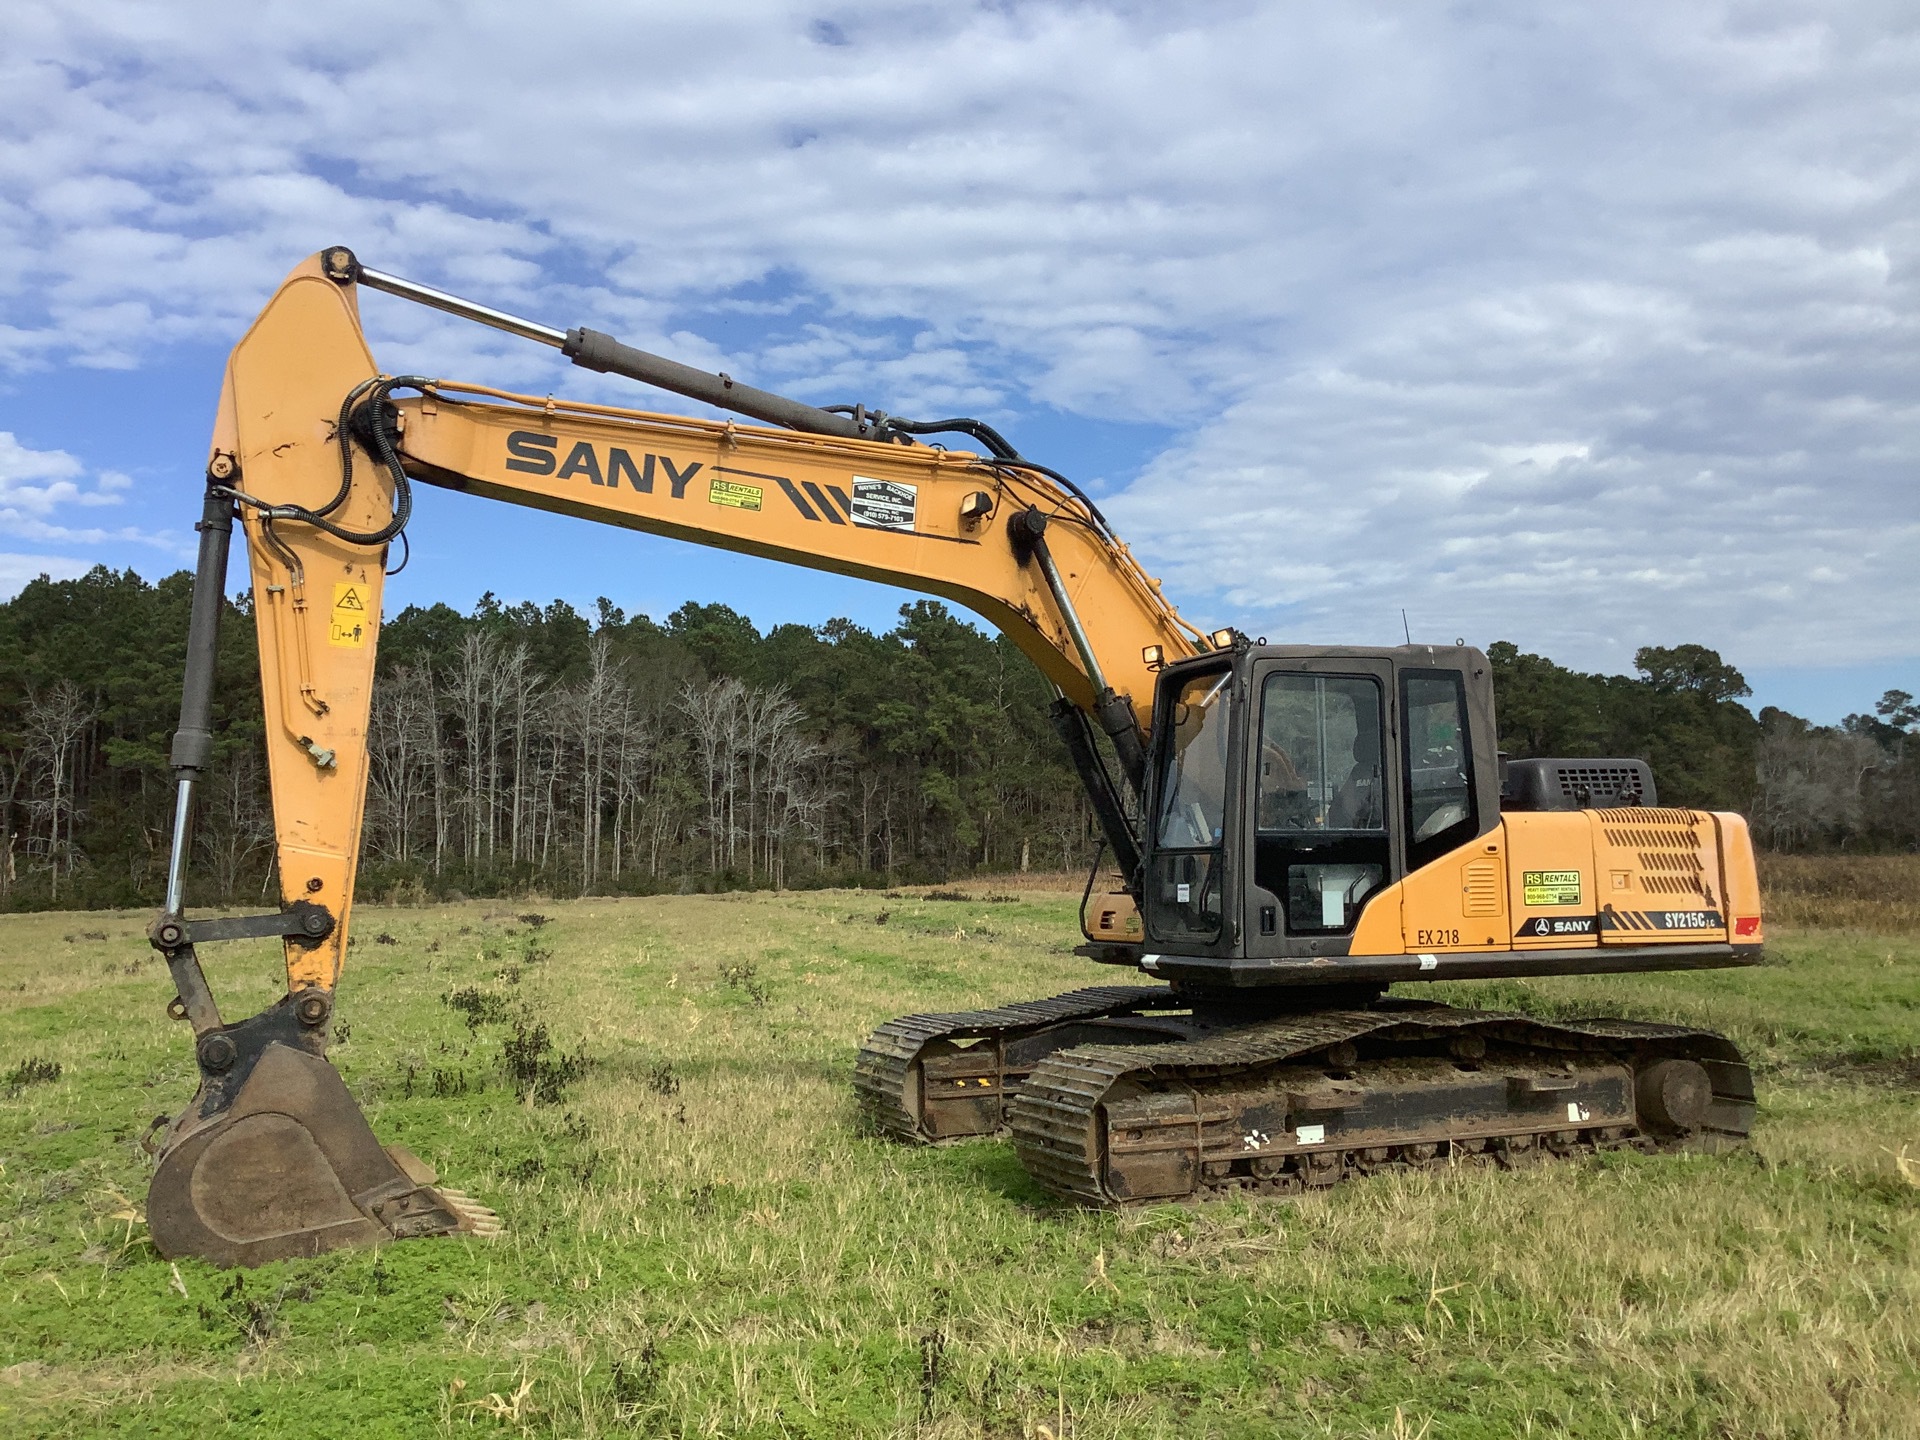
[272, 1159]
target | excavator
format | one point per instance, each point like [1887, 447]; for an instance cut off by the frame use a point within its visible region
[1289, 831]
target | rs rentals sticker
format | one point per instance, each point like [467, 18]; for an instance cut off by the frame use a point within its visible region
[349, 624]
[1550, 887]
[883, 504]
[734, 495]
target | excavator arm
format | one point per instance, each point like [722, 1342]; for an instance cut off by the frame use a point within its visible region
[315, 453]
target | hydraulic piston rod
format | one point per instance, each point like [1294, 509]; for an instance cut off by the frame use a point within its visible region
[592, 350]
[193, 741]
[1028, 532]
[452, 304]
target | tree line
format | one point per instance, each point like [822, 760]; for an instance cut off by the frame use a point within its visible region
[1802, 787]
[520, 747]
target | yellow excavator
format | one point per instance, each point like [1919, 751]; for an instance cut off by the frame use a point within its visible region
[1290, 830]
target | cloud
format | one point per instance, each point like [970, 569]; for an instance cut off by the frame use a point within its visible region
[18, 570]
[35, 481]
[35, 484]
[1585, 326]
[1467, 460]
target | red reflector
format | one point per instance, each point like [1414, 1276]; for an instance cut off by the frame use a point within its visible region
[1747, 925]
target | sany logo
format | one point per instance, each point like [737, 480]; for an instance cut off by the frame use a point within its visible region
[536, 454]
[532, 453]
[1550, 925]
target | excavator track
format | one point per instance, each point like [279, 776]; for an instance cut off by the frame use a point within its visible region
[917, 1081]
[1310, 1099]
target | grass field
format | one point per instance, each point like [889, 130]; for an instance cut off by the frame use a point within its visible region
[700, 1242]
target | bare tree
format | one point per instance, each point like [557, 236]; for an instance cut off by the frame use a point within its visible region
[442, 810]
[235, 823]
[55, 723]
[13, 771]
[1812, 786]
[594, 715]
[712, 710]
[796, 782]
[405, 770]
[495, 691]
[521, 697]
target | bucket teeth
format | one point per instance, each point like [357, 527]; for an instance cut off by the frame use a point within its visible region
[475, 1218]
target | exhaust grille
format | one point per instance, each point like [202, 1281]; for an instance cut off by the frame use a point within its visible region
[1578, 782]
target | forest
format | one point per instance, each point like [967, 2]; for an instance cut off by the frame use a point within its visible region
[522, 748]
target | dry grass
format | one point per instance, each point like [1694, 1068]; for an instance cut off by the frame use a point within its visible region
[1879, 893]
[1032, 882]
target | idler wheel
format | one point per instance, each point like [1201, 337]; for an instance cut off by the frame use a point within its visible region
[1673, 1096]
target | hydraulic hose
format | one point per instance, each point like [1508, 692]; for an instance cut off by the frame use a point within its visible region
[364, 413]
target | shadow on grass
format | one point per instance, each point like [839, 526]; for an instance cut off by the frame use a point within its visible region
[985, 1165]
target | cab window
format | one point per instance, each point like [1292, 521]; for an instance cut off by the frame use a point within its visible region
[1193, 784]
[1440, 803]
[1320, 823]
[1184, 876]
[1320, 754]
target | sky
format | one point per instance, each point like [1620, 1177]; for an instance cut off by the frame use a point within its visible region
[1585, 327]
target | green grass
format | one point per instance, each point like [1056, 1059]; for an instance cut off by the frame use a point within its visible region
[700, 1242]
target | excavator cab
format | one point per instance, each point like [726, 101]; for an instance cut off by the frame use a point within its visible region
[1343, 817]
[1289, 786]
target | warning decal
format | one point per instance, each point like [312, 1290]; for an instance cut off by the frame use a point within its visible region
[883, 504]
[350, 624]
[734, 495]
[1550, 887]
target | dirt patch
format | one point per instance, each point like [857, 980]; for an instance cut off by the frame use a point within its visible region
[1900, 1071]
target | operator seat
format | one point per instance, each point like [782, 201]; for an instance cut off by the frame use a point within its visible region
[1357, 803]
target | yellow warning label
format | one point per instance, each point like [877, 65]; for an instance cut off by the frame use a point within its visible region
[349, 624]
[1550, 887]
[734, 494]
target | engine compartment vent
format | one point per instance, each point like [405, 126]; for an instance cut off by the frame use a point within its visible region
[1554, 784]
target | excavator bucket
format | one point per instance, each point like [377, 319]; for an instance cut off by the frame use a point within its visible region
[273, 1159]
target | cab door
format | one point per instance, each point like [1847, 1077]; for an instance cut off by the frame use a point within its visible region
[1197, 733]
[1323, 798]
